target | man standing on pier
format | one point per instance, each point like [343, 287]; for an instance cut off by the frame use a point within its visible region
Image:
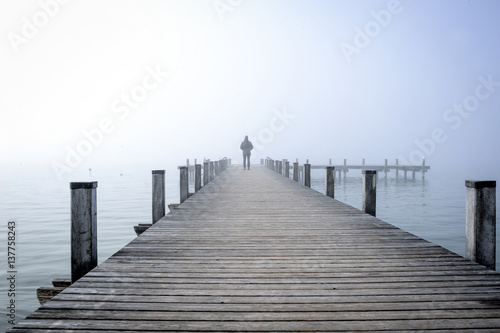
[247, 147]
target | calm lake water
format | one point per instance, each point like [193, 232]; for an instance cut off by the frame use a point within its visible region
[433, 209]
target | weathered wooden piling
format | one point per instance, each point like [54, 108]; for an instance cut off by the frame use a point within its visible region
[307, 175]
[330, 181]
[83, 228]
[158, 202]
[212, 171]
[423, 168]
[385, 169]
[296, 171]
[206, 173]
[184, 183]
[369, 191]
[345, 168]
[480, 211]
[197, 177]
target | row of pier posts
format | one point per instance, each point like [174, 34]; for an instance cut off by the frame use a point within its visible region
[480, 206]
[84, 210]
[369, 180]
[385, 168]
[211, 169]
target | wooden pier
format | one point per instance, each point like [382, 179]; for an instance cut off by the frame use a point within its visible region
[343, 169]
[254, 251]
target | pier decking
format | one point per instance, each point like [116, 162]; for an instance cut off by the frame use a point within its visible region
[253, 251]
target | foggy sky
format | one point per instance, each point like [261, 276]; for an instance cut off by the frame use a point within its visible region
[146, 84]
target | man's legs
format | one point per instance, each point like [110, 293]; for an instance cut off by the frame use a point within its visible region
[246, 161]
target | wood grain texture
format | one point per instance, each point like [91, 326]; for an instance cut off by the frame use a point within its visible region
[253, 251]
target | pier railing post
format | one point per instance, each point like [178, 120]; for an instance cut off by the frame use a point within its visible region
[206, 173]
[330, 181]
[423, 168]
[385, 169]
[83, 228]
[212, 171]
[296, 171]
[197, 177]
[307, 175]
[480, 211]
[184, 183]
[158, 194]
[369, 191]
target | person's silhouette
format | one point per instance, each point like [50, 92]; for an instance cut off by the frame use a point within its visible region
[246, 146]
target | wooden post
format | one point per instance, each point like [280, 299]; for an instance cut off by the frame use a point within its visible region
[480, 211]
[206, 173]
[423, 168]
[369, 191]
[83, 228]
[158, 194]
[345, 168]
[197, 177]
[212, 171]
[287, 169]
[385, 168]
[296, 171]
[307, 175]
[330, 181]
[184, 183]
